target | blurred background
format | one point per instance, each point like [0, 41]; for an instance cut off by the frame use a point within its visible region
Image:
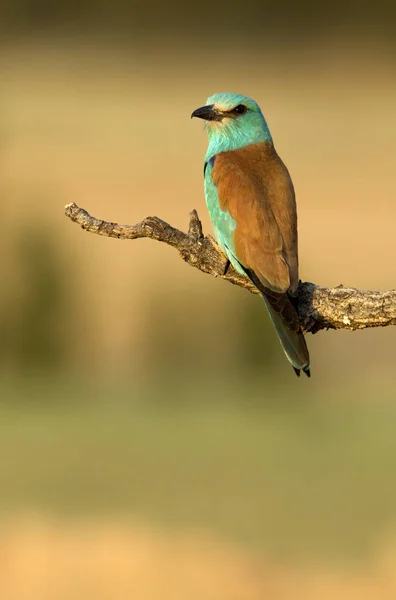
[154, 442]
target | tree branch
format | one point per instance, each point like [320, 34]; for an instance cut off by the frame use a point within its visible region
[318, 307]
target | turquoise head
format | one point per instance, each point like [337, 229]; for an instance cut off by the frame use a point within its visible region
[232, 122]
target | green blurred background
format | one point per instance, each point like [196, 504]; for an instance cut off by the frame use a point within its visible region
[154, 442]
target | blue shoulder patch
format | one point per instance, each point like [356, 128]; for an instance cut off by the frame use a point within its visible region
[209, 162]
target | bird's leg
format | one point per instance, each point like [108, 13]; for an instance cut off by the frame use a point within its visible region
[219, 249]
[227, 266]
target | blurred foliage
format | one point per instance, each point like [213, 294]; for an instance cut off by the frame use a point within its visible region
[35, 303]
[307, 482]
[257, 343]
[263, 19]
[179, 338]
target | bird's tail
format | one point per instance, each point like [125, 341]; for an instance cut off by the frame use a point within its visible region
[287, 325]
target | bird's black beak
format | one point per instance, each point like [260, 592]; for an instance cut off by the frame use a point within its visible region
[209, 113]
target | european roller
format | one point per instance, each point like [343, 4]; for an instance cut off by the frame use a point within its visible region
[251, 203]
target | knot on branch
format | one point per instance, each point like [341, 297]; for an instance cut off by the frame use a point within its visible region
[195, 227]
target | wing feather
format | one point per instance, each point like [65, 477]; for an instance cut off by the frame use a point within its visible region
[255, 188]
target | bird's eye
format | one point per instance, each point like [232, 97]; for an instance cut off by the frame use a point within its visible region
[240, 109]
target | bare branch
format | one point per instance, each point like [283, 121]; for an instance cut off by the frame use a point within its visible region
[318, 307]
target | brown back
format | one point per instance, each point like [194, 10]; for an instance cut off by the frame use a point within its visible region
[255, 187]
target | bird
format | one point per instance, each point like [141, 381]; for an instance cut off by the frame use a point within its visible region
[251, 202]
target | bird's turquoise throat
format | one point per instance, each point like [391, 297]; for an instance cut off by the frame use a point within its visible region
[236, 133]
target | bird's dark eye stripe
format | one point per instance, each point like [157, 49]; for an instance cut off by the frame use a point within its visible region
[238, 110]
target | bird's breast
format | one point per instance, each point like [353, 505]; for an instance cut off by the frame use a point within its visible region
[222, 222]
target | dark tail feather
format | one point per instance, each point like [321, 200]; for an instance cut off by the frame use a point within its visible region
[288, 328]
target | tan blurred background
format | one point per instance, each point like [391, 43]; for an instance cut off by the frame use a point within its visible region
[154, 442]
